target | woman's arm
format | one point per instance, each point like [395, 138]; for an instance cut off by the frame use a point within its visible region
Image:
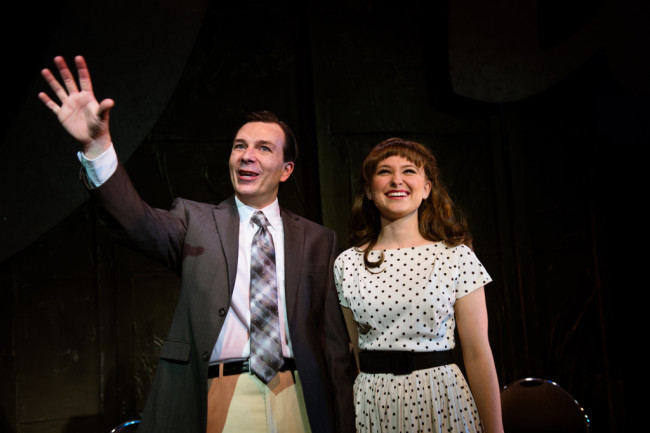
[351, 324]
[472, 322]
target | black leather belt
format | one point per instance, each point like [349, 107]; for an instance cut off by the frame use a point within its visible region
[239, 367]
[399, 363]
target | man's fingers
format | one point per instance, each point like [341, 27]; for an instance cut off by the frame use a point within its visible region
[48, 102]
[84, 75]
[66, 75]
[54, 84]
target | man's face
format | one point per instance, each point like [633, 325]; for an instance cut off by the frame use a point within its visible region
[257, 163]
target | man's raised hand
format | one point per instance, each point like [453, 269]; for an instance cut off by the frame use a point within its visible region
[79, 112]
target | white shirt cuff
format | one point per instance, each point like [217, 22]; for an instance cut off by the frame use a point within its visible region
[99, 169]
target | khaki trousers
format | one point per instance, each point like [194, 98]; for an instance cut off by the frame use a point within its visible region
[242, 403]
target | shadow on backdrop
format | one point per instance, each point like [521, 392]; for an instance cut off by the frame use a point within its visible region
[136, 51]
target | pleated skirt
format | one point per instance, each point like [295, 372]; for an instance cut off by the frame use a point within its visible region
[432, 400]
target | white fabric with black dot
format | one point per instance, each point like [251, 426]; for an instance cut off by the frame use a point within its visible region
[407, 304]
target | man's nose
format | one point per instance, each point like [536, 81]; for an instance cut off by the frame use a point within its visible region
[249, 154]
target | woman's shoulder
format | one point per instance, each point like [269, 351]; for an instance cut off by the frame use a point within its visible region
[456, 249]
[458, 253]
[350, 253]
[348, 261]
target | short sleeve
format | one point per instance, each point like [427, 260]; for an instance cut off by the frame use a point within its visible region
[471, 273]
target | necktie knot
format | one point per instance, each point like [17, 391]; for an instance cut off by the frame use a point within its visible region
[259, 219]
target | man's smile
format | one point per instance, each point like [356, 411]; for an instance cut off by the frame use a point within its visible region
[247, 174]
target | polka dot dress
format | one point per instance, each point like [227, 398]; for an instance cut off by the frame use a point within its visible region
[407, 304]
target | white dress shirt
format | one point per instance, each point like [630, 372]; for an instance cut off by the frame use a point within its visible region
[233, 342]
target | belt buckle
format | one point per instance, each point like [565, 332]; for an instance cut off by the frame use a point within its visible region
[246, 366]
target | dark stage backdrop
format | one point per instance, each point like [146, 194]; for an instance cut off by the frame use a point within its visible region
[535, 112]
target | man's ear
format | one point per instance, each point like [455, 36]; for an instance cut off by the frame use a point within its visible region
[287, 169]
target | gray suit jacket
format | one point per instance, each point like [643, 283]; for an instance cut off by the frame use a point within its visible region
[200, 242]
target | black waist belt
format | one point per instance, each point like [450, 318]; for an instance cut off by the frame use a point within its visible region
[399, 363]
[239, 367]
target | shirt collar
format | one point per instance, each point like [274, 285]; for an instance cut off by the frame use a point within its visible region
[271, 212]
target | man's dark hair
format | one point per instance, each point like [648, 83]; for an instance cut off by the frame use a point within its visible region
[290, 151]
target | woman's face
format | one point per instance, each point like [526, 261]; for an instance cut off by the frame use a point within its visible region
[397, 188]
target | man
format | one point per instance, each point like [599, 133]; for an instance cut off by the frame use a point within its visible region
[258, 341]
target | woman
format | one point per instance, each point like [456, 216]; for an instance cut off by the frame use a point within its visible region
[409, 278]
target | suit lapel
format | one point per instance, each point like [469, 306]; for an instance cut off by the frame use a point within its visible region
[227, 222]
[293, 250]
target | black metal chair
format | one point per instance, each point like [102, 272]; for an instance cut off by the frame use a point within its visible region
[125, 427]
[537, 405]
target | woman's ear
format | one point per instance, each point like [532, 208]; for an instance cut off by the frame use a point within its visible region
[427, 190]
[368, 193]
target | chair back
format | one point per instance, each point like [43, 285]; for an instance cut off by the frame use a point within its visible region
[537, 405]
[127, 427]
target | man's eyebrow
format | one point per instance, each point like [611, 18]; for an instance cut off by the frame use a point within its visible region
[258, 142]
[264, 142]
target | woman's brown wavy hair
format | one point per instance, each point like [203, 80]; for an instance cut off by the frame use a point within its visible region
[438, 217]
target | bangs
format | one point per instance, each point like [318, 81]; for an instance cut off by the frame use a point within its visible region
[415, 153]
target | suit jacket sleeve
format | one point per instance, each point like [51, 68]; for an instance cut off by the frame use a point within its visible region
[159, 234]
